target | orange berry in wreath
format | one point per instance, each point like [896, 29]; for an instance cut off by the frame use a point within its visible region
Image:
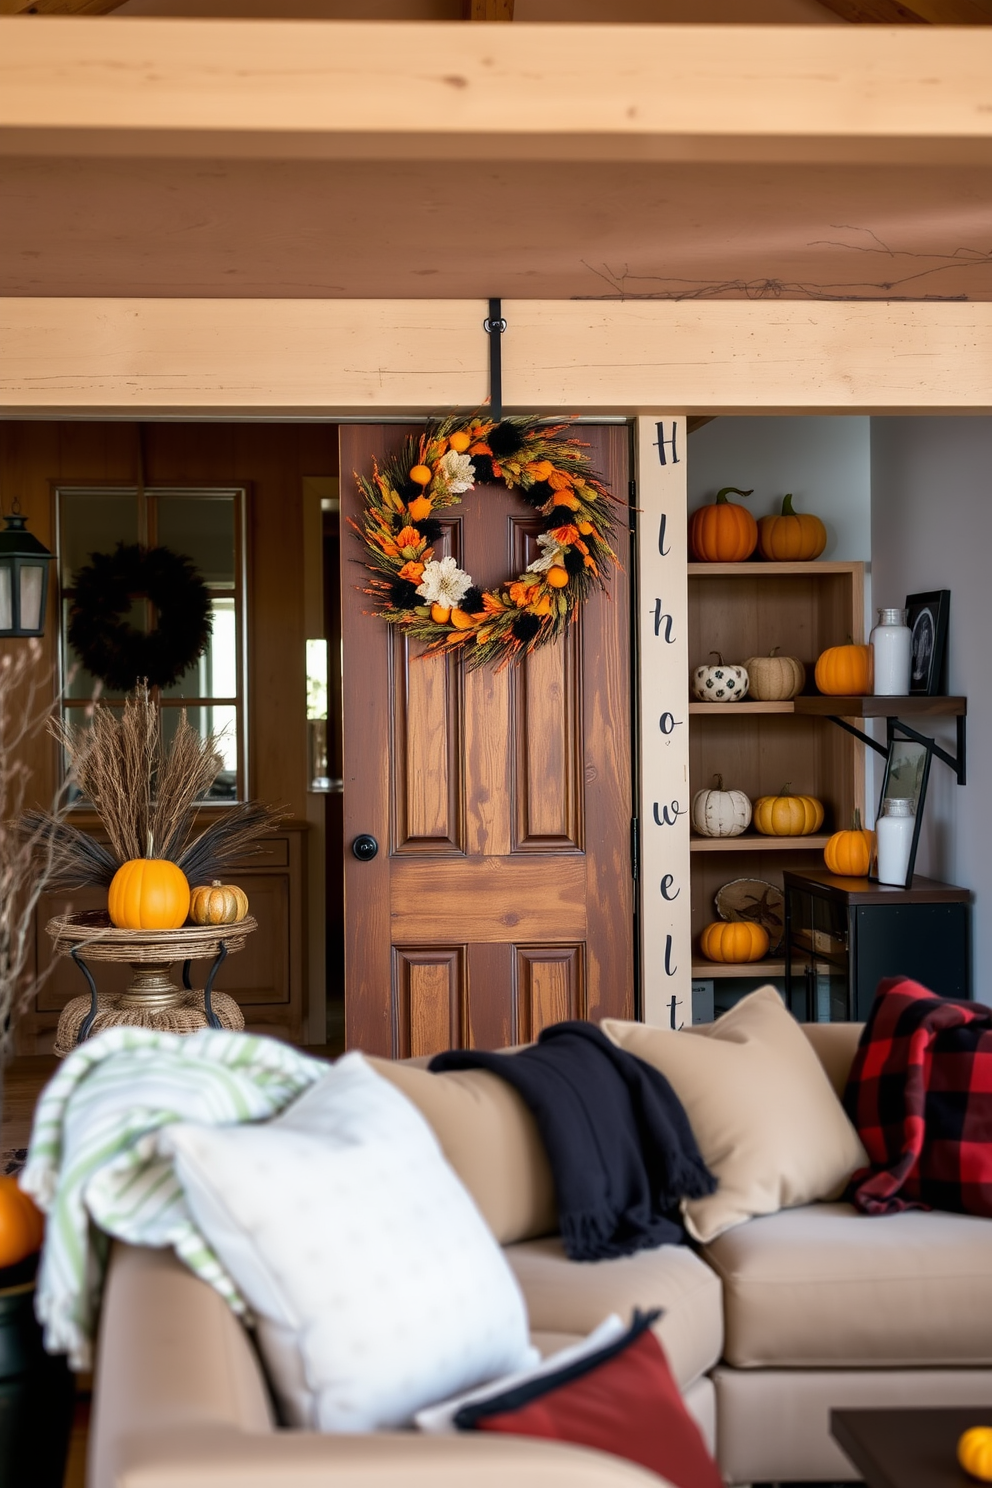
[557, 577]
[440, 614]
[421, 474]
[420, 507]
[459, 443]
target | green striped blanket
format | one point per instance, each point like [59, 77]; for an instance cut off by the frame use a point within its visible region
[95, 1168]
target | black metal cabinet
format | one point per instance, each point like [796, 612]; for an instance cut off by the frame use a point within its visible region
[843, 935]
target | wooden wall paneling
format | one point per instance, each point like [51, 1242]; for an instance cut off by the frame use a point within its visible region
[104, 357]
[662, 632]
[550, 987]
[431, 995]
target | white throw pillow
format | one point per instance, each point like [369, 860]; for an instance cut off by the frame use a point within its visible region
[376, 1285]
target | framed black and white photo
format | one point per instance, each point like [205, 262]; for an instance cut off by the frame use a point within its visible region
[926, 616]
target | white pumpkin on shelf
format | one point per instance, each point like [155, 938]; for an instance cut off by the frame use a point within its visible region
[720, 683]
[720, 813]
[774, 678]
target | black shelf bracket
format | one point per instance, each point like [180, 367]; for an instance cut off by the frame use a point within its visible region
[895, 728]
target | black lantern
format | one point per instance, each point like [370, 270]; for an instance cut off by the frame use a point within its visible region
[23, 579]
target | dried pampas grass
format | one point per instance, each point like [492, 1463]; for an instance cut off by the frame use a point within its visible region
[146, 796]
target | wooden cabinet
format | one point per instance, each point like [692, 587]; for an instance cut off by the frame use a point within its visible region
[266, 978]
[742, 610]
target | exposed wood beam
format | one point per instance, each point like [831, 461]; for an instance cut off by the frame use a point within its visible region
[59, 7]
[487, 10]
[98, 358]
[697, 421]
[434, 91]
[918, 13]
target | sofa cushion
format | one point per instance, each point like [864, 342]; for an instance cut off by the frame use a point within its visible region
[572, 1297]
[761, 1106]
[490, 1139]
[376, 1284]
[826, 1286]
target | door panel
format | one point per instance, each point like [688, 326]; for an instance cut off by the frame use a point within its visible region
[501, 897]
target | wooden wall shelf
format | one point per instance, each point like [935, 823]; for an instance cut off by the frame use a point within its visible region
[913, 706]
[756, 842]
[718, 969]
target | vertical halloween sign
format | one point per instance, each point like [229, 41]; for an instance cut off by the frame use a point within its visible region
[666, 950]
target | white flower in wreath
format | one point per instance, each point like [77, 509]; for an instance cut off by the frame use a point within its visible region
[459, 472]
[551, 555]
[444, 583]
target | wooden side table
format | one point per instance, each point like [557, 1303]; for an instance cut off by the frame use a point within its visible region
[152, 1000]
[907, 1447]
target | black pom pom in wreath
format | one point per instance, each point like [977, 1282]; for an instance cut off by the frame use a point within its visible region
[483, 467]
[472, 600]
[574, 562]
[404, 594]
[430, 529]
[505, 440]
[537, 495]
[525, 627]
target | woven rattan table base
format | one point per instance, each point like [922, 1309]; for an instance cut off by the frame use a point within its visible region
[186, 1015]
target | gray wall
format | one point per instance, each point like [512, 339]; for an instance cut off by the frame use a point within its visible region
[931, 528]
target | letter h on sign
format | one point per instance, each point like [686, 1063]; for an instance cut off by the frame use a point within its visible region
[661, 441]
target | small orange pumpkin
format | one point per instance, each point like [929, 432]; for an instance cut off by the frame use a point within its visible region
[792, 537]
[785, 815]
[217, 904]
[975, 1452]
[723, 532]
[22, 1224]
[734, 940]
[848, 853]
[148, 894]
[845, 671]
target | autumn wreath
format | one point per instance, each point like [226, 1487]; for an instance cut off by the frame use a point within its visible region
[435, 601]
[101, 633]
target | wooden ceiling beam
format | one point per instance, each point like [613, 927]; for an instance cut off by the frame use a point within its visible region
[918, 13]
[59, 7]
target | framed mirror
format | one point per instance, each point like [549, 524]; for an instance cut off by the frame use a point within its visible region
[904, 789]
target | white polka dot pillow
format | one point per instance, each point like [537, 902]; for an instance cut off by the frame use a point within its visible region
[376, 1285]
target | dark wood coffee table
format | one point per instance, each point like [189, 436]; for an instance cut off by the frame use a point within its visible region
[907, 1448]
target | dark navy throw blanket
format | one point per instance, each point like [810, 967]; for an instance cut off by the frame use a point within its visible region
[621, 1149]
[920, 1094]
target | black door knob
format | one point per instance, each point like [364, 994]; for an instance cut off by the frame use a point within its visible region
[365, 847]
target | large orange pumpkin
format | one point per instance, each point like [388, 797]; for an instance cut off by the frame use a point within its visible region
[787, 816]
[723, 532]
[148, 894]
[734, 940]
[845, 671]
[793, 537]
[22, 1225]
[848, 853]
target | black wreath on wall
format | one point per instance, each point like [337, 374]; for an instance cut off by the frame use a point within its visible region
[109, 646]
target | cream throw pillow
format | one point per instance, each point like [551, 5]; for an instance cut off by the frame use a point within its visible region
[762, 1109]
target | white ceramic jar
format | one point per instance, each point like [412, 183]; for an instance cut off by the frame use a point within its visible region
[894, 836]
[892, 648]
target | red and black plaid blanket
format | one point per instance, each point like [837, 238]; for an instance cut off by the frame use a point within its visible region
[920, 1095]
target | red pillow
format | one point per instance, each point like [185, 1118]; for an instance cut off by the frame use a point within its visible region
[621, 1399]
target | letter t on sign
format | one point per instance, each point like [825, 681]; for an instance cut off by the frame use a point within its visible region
[663, 688]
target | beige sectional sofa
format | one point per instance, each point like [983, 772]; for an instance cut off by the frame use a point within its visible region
[766, 1328]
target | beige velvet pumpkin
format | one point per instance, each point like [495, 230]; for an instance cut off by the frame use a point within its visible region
[774, 678]
[719, 812]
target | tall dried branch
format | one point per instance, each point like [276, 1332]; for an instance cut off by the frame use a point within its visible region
[233, 835]
[185, 775]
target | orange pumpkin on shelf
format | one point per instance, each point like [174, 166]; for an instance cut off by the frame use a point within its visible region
[22, 1224]
[791, 537]
[848, 853]
[786, 815]
[148, 894]
[845, 671]
[217, 904]
[734, 941]
[975, 1452]
[723, 532]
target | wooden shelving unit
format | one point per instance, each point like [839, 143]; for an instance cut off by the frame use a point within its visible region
[742, 610]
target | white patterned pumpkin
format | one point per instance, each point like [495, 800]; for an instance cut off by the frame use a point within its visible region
[720, 683]
[775, 679]
[719, 812]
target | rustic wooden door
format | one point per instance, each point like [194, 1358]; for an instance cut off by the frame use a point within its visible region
[500, 898]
